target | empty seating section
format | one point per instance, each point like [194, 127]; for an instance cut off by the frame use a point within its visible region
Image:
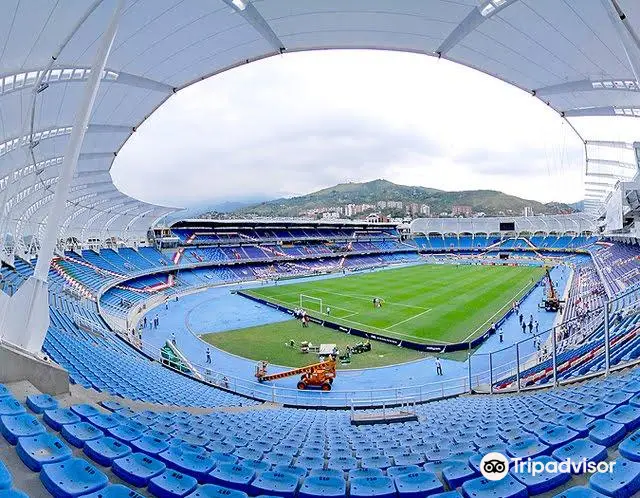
[440, 242]
[618, 265]
[105, 363]
[283, 452]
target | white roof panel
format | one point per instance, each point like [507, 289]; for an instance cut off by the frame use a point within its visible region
[568, 53]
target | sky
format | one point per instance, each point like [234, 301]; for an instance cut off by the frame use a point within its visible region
[296, 123]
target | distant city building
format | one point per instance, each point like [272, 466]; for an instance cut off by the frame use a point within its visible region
[330, 215]
[425, 210]
[377, 218]
[461, 211]
[381, 204]
[527, 211]
[350, 210]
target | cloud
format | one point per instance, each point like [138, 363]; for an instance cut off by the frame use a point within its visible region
[293, 124]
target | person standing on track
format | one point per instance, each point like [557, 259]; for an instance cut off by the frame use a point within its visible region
[438, 366]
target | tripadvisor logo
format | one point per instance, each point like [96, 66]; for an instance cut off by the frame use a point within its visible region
[495, 466]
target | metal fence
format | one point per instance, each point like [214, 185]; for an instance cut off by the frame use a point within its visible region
[591, 344]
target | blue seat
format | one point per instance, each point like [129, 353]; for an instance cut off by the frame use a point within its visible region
[4, 391]
[115, 491]
[605, 432]
[283, 485]
[544, 481]
[157, 435]
[278, 458]
[457, 473]
[14, 426]
[35, 451]
[365, 472]
[598, 409]
[172, 484]
[624, 481]
[630, 447]
[78, 434]
[529, 447]
[581, 449]
[249, 453]
[380, 487]
[557, 436]
[417, 484]
[617, 397]
[447, 494]
[408, 459]
[323, 486]
[214, 491]
[627, 415]
[397, 470]
[508, 487]
[343, 463]
[375, 462]
[310, 462]
[112, 405]
[125, 433]
[220, 447]
[234, 476]
[105, 450]
[10, 406]
[85, 411]
[190, 448]
[137, 468]
[579, 423]
[298, 472]
[5, 475]
[579, 492]
[73, 477]
[192, 464]
[38, 403]
[152, 446]
[59, 417]
[326, 472]
[258, 465]
[104, 421]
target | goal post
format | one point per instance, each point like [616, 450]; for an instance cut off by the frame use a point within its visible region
[311, 303]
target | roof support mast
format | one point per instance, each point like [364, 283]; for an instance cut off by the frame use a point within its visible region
[628, 37]
[28, 322]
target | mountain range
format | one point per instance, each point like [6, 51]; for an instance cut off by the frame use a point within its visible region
[490, 202]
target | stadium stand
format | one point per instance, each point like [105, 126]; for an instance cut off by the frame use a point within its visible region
[134, 426]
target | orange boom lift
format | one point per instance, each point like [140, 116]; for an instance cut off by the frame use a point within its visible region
[319, 375]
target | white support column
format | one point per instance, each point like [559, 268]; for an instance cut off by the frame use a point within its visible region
[628, 37]
[27, 324]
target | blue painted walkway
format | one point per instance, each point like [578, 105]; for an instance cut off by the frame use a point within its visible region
[217, 309]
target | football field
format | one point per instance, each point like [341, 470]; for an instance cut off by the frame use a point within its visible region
[435, 304]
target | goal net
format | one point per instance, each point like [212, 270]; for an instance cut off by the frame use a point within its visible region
[311, 303]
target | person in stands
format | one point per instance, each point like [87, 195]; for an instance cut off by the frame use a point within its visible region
[208, 356]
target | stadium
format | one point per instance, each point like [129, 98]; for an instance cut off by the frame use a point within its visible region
[295, 357]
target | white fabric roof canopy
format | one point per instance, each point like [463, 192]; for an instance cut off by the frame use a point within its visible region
[566, 52]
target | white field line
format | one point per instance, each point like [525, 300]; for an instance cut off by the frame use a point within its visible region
[364, 297]
[361, 325]
[497, 312]
[407, 319]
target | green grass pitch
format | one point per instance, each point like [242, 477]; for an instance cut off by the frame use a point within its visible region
[269, 342]
[427, 303]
